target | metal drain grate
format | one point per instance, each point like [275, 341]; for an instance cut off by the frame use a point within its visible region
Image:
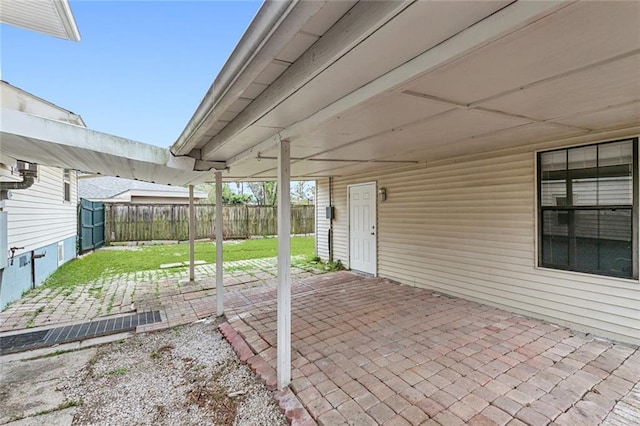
[54, 336]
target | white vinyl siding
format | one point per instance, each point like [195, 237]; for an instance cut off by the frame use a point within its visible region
[340, 233]
[322, 223]
[39, 216]
[466, 227]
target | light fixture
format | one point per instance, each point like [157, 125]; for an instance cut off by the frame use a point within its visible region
[382, 194]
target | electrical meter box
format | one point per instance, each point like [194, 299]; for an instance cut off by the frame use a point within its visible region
[329, 212]
[4, 250]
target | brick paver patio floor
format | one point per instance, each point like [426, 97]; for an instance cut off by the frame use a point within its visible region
[370, 351]
[168, 291]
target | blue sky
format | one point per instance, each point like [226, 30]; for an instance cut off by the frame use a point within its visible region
[140, 68]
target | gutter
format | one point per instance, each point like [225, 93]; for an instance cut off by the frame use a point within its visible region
[263, 40]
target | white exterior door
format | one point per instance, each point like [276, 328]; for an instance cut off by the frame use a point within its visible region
[362, 228]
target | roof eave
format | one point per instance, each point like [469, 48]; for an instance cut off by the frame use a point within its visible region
[265, 37]
[67, 19]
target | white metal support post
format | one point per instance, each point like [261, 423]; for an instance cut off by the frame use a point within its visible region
[219, 225]
[284, 265]
[192, 235]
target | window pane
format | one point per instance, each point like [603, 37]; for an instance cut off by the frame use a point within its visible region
[611, 154]
[583, 172]
[585, 192]
[601, 241]
[615, 186]
[583, 158]
[583, 245]
[615, 245]
[555, 232]
[553, 185]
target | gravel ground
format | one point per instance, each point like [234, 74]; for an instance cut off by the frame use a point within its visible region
[187, 375]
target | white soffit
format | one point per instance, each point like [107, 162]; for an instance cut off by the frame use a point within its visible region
[418, 28]
[440, 130]
[383, 115]
[579, 35]
[252, 133]
[596, 88]
[558, 93]
[490, 141]
[345, 58]
[247, 169]
[612, 117]
[52, 17]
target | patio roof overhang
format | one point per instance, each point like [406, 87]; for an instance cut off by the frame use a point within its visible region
[363, 85]
[55, 143]
[354, 86]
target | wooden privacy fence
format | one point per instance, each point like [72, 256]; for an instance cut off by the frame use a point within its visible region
[146, 222]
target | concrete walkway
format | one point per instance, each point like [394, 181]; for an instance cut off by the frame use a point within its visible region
[370, 351]
[168, 290]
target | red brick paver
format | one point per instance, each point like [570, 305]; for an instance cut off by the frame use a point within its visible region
[168, 291]
[370, 351]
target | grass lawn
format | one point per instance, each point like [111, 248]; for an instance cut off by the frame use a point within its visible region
[107, 262]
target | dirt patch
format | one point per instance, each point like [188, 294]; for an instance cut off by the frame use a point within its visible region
[184, 376]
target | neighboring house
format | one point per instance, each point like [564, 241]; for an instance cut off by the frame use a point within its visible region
[40, 222]
[487, 150]
[118, 190]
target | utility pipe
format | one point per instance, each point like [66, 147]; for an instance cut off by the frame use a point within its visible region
[26, 182]
[35, 256]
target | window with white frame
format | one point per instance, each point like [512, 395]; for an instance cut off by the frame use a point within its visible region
[588, 208]
[66, 183]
